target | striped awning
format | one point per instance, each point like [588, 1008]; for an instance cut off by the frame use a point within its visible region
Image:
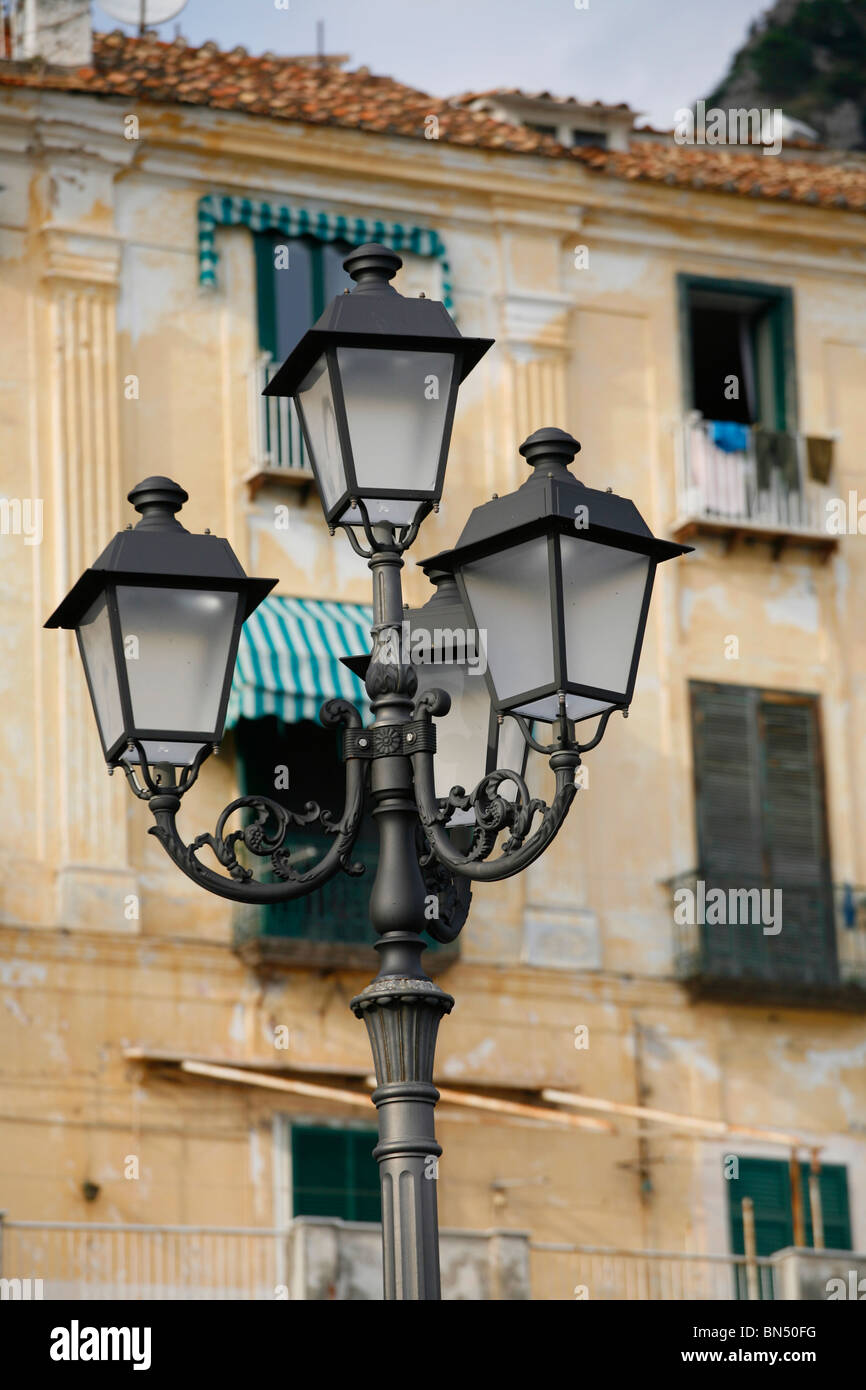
[289, 658]
[261, 216]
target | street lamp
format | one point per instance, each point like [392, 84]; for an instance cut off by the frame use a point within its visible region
[562, 641]
[375, 356]
[158, 617]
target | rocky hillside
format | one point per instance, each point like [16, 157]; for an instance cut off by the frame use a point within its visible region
[809, 58]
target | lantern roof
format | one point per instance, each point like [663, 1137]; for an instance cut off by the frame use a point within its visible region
[553, 499]
[375, 315]
[160, 552]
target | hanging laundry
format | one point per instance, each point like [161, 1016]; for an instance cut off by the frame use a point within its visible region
[776, 449]
[730, 435]
[819, 456]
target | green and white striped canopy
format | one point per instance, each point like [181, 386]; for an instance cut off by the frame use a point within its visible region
[261, 216]
[289, 659]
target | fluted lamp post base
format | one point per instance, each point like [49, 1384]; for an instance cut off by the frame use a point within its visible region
[402, 1014]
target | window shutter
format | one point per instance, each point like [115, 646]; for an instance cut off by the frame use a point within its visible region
[761, 824]
[334, 1173]
[795, 838]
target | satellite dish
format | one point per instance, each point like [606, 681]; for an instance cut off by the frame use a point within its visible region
[144, 13]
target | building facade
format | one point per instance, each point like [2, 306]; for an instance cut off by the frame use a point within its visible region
[170, 221]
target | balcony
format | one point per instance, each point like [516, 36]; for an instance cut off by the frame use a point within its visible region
[817, 958]
[737, 495]
[277, 450]
[319, 1258]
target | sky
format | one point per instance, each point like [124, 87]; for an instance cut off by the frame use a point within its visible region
[657, 55]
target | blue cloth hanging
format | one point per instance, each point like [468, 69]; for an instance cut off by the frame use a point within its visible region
[730, 436]
[849, 907]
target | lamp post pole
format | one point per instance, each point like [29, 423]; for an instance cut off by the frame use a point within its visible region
[402, 1007]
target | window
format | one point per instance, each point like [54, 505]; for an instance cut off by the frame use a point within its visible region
[588, 138]
[761, 824]
[768, 1182]
[543, 129]
[334, 1173]
[297, 277]
[739, 352]
[338, 911]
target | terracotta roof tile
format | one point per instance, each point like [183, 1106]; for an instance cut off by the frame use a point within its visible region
[301, 90]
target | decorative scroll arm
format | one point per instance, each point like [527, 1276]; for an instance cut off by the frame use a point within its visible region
[265, 836]
[494, 813]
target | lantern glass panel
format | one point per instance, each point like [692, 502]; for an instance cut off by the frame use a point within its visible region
[603, 591]
[178, 664]
[396, 405]
[509, 593]
[461, 737]
[315, 401]
[97, 653]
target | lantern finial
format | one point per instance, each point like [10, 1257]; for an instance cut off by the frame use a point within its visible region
[550, 446]
[158, 499]
[371, 266]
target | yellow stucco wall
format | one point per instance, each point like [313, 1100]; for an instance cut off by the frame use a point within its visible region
[98, 281]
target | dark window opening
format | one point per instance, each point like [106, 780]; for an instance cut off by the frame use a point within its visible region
[296, 278]
[543, 129]
[739, 353]
[596, 138]
[269, 752]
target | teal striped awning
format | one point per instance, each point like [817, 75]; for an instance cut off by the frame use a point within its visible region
[289, 659]
[260, 216]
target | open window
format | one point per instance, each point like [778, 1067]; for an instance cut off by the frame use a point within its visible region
[739, 352]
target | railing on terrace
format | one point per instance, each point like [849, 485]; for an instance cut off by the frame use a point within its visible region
[79, 1260]
[98, 1260]
[276, 442]
[600, 1274]
[813, 949]
[728, 490]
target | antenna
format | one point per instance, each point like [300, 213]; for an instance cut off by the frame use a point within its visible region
[144, 13]
[320, 41]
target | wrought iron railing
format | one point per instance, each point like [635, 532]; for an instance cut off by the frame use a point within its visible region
[730, 486]
[782, 937]
[276, 441]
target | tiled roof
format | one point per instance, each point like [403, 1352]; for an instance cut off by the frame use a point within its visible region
[299, 90]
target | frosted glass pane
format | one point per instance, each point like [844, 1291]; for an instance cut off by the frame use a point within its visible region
[603, 592]
[510, 598]
[94, 634]
[461, 737]
[176, 666]
[315, 402]
[546, 710]
[395, 405]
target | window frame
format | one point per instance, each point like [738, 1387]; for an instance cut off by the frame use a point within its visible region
[780, 302]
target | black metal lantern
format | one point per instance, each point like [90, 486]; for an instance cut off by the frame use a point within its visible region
[558, 578]
[158, 617]
[376, 356]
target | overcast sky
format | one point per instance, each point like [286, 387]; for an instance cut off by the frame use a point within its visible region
[657, 55]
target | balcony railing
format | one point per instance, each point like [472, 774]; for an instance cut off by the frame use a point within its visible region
[276, 442]
[602, 1274]
[811, 951]
[313, 1258]
[729, 492]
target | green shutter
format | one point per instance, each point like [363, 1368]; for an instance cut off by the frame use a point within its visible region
[768, 1182]
[334, 1173]
[266, 299]
[761, 824]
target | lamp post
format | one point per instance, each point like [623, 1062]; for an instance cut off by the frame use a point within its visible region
[559, 609]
